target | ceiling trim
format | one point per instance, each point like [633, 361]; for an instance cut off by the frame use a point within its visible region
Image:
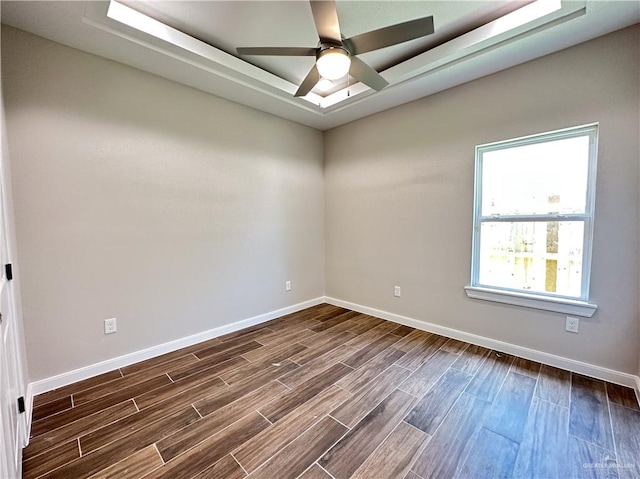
[168, 53]
[125, 22]
[526, 20]
[118, 19]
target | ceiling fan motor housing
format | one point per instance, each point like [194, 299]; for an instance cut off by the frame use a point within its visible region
[328, 46]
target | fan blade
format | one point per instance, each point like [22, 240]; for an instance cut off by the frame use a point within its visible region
[325, 16]
[309, 82]
[367, 75]
[385, 37]
[278, 51]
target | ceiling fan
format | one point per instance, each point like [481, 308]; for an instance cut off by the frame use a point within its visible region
[336, 56]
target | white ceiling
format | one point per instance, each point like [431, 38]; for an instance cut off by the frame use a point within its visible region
[194, 43]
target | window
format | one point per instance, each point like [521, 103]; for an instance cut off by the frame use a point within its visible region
[533, 220]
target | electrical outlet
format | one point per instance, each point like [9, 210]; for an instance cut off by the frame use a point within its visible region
[572, 324]
[287, 285]
[110, 326]
[396, 291]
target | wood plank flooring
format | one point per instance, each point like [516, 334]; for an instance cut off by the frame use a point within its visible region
[327, 393]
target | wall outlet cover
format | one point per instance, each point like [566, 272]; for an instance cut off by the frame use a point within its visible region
[110, 326]
[572, 324]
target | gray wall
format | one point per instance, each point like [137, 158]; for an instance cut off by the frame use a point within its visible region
[399, 198]
[141, 199]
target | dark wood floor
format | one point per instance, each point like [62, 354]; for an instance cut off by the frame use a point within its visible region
[330, 393]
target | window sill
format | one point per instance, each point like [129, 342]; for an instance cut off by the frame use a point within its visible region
[558, 305]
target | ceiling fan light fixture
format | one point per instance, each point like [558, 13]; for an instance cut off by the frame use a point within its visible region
[325, 84]
[333, 63]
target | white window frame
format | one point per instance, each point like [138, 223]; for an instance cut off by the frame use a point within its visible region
[539, 300]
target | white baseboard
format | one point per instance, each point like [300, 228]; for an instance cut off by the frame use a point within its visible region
[55, 382]
[568, 364]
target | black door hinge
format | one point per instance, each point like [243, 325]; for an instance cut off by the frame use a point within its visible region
[8, 271]
[21, 408]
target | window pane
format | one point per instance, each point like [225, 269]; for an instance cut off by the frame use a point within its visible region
[541, 178]
[540, 257]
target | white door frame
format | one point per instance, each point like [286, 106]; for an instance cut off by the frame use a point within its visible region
[13, 423]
